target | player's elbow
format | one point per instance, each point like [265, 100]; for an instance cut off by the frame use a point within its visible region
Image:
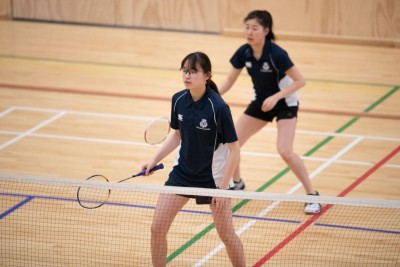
[234, 148]
[300, 83]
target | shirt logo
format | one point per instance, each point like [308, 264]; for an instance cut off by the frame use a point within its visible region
[265, 67]
[180, 117]
[203, 125]
[248, 64]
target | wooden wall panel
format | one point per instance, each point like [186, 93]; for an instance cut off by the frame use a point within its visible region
[234, 11]
[353, 20]
[76, 11]
[361, 18]
[187, 15]
[5, 9]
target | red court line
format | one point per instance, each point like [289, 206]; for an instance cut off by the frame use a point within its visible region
[306, 224]
[81, 92]
[161, 98]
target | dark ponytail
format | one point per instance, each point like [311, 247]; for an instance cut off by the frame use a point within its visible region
[204, 62]
[212, 85]
[265, 19]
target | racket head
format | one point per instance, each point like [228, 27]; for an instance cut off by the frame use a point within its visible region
[157, 130]
[93, 197]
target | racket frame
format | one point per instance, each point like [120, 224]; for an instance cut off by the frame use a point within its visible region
[101, 203]
[149, 127]
[141, 173]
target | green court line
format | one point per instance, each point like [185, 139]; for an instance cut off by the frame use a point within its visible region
[383, 98]
[278, 176]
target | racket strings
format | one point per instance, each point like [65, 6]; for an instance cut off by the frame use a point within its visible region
[93, 197]
[157, 131]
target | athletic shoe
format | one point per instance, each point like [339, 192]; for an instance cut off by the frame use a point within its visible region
[312, 208]
[239, 185]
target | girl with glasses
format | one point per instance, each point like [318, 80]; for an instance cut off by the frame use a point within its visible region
[208, 154]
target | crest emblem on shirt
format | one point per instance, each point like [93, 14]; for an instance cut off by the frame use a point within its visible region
[265, 67]
[248, 64]
[203, 125]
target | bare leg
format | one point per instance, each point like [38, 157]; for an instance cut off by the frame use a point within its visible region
[246, 127]
[226, 231]
[286, 133]
[167, 208]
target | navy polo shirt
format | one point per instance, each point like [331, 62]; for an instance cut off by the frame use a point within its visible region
[268, 73]
[205, 126]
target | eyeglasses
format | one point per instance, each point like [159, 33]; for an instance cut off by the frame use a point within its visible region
[190, 72]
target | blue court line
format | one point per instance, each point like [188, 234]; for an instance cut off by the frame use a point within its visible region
[14, 208]
[28, 198]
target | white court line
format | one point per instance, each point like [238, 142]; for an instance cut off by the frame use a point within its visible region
[276, 203]
[125, 142]
[84, 139]
[5, 112]
[276, 155]
[311, 158]
[370, 137]
[146, 118]
[84, 113]
[30, 131]
[96, 140]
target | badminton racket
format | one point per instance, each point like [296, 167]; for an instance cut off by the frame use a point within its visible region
[95, 197]
[157, 131]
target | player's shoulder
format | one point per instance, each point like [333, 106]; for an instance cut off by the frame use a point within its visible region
[218, 101]
[179, 94]
[244, 46]
[243, 49]
[276, 49]
[214, 95]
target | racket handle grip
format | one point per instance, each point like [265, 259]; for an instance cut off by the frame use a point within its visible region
[157, 167]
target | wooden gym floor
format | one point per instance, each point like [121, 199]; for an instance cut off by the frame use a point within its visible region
[74, 101]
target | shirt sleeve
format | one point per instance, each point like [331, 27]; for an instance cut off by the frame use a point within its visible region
[238, 59]
[226, 127]
[282, 59]
[174, 117]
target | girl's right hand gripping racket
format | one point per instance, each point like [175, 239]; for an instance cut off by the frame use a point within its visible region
[95, 197]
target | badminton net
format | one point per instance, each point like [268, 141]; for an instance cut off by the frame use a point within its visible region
[41, 224]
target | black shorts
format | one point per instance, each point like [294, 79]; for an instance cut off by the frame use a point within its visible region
[278, 112]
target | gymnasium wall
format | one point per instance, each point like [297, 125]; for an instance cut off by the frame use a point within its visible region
[5, 9]
[373, 22]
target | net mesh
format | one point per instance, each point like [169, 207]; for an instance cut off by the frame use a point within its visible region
[41, 224]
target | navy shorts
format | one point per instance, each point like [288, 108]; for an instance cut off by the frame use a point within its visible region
[277, 112]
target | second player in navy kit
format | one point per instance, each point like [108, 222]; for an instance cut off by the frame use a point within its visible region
[276, 81]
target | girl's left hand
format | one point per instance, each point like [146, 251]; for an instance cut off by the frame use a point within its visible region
[269, 103]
